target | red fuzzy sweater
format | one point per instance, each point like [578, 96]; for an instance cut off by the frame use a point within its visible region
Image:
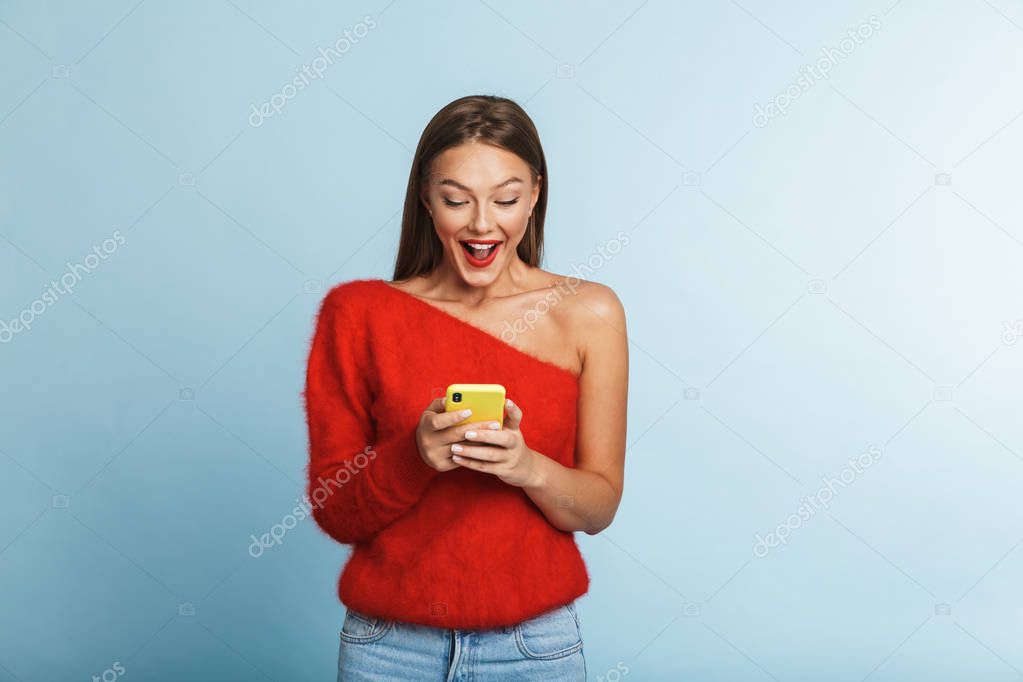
[458, 549]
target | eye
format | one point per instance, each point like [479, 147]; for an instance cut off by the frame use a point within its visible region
[448, 202]
[510, 202]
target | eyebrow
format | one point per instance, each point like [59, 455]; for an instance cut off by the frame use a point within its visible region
[455, 183]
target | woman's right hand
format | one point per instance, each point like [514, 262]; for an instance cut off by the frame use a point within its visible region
[437, 431]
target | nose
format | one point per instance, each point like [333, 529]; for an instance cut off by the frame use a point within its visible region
[481, 222]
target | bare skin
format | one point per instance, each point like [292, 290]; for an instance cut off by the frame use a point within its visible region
[584, 332]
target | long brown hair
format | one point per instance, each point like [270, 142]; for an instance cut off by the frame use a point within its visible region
[488, 119]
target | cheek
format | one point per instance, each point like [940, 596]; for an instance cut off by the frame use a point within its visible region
[517, 226]
[446, 225]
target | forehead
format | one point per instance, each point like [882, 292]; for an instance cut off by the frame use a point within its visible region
[477, 165]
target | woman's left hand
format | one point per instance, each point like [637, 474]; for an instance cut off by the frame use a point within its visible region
[503, 453]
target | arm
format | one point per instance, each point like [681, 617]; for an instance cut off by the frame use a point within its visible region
[587, 496]
[356, 485]
[584, 497]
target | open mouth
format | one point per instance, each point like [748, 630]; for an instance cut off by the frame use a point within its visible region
[480, 252]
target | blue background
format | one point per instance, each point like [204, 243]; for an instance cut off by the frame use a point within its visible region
[848, 275]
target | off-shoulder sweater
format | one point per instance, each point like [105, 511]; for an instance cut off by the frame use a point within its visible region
[455, 549]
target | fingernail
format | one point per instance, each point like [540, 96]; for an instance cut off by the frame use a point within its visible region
[465, 413]
[456, 458]
[456, 448]
[470, 434]
[508, 402]
[494, 425]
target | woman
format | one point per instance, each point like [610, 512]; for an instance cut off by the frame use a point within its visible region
[464, 563]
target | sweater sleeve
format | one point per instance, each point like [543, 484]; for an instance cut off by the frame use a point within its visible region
[356, 485]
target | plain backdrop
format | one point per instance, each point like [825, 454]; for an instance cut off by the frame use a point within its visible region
[800, 287]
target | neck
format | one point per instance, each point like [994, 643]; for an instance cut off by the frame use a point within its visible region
[445, 283]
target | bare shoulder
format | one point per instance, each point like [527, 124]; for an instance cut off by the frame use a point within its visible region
[594, 317]
[601, 300]
[587, 299]
[590, 311]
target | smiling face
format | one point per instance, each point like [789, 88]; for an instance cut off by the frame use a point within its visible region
[480, 197]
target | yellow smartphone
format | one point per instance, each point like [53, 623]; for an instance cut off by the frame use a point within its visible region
[485, 400]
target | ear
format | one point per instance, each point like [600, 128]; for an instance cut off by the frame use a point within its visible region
[536, 190]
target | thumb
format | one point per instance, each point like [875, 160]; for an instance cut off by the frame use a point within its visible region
[512, 415]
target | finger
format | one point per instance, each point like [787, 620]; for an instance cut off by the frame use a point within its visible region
[512, 415]
[445, 420]
[436, 405]
[470, 463]
[482, 453]
[486, 424]
[445, 465]
[458, 431]
[502, 439]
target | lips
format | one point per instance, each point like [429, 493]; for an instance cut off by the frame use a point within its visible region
[480, 252]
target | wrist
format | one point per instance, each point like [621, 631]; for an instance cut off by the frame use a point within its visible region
[537, 476]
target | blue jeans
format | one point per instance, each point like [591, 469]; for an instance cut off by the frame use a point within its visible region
[546, 647]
